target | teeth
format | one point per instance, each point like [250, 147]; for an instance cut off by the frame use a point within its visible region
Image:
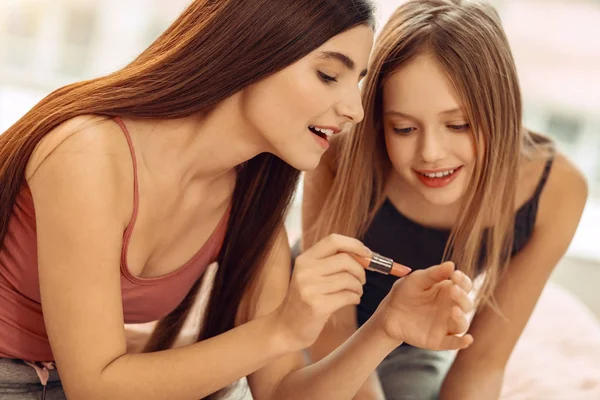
[439, 174]
[327, 132]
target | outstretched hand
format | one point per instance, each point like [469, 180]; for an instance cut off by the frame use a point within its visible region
[428, 309]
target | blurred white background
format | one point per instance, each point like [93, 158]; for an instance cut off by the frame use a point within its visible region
[45, 44]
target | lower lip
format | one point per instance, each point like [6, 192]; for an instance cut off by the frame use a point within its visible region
[322, 142]
[438, 182]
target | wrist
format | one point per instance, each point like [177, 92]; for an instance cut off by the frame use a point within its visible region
[280, 337]
[375, 329]
[384, 321]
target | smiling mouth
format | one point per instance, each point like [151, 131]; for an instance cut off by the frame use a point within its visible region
[441, 174]
[320, 132]
[438, 179]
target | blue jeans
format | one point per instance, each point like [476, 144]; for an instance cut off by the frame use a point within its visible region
[410, 373]
[19, 381]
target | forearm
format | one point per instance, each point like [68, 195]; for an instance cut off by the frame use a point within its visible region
[371, 389]
[474, 382]
[342, 373]
[190, 372]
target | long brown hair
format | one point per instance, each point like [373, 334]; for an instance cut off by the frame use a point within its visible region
[214, 49]
[467, 39]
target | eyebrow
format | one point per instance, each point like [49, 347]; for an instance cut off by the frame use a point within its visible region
[452, 111]
[342, 58]
[400, 114]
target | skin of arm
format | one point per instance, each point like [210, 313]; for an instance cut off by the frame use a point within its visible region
[288, 377]
[83, 204]
[343, 324]
[341, 372]
[478, 371]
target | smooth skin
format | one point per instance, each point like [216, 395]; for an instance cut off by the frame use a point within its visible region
[81, 179]
[425, 128]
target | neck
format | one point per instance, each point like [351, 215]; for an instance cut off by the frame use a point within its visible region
[203, 147]
[415, 207]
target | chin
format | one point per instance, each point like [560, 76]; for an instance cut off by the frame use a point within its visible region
[303, 162]
[441, 196]
[308, 165]
[441, 199]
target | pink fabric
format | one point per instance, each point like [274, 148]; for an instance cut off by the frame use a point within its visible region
[558, 355]
[22, 330]
[42, 370]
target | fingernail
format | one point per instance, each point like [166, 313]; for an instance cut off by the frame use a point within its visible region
[368, 252]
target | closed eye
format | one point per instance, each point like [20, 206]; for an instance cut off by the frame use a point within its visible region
[404, 131]
[326, 78]
[459, 128]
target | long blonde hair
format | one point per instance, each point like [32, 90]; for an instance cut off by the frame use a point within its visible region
[467, 40]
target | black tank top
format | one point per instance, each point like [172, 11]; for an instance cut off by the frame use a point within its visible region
[407, 242]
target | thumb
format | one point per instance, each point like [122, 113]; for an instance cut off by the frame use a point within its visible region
[456, 342]
[435, 274]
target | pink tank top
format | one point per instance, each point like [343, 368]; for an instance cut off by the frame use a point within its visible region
[22, 331]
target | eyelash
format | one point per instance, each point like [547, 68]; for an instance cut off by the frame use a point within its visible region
[459, 128]
[408, 131]
[326, 78]
[403, 131]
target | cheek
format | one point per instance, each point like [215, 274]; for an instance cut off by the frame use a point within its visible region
[400, 151]
[279, 100]
[297, 96]
[468, 149]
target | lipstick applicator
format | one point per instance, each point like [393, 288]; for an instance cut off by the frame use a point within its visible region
[383, 265]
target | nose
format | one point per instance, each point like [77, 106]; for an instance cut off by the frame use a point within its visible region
[432, 146]
[350, 106]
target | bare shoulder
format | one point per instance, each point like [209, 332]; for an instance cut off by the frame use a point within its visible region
[565, 192]
[565, 181]
[82, 135]
[81, 183]
[85, 158]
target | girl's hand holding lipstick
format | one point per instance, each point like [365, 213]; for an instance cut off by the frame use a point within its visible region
[325, 279]
[428, 309]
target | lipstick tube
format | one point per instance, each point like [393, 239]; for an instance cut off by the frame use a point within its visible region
[382, 265]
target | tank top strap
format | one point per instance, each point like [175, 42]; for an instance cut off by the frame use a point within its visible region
[136, 201]
[545, 174]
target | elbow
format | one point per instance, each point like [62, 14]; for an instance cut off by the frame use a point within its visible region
[84, 391]
[93, 386]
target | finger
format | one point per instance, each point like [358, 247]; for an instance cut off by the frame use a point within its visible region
[462, 280]
[461, 298]
[344, 262]
[334, 244]
[455, 342]
[458, 321]
[454, 328]
[429, 277]
[341, 299]
[340, 282]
